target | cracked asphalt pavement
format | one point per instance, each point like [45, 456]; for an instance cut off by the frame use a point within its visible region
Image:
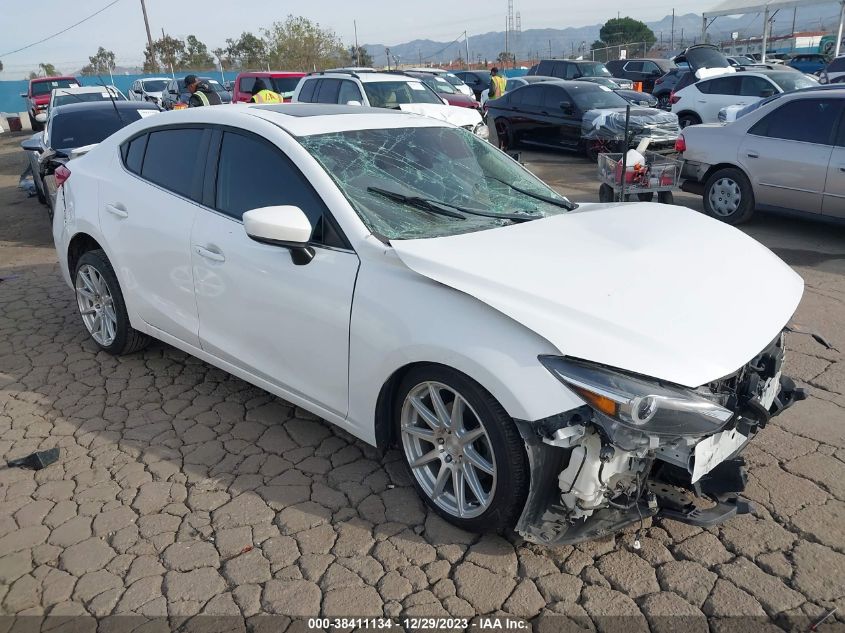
[183, 490]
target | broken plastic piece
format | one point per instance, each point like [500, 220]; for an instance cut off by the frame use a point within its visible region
[35, 461]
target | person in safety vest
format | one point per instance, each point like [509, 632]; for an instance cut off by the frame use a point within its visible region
[497, 84]
[261, 94]
[201, 93]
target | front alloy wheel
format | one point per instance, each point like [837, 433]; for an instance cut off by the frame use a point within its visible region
[464, 452]
[448, 450]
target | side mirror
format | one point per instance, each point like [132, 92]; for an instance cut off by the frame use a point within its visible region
[768, 92]
[286, 226]
[353, 102]
[566, 106]
[32, 145]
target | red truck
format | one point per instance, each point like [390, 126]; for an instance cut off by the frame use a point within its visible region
[281, 82]
[38, 97]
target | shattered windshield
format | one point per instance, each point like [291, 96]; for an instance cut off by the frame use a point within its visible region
[448, 165]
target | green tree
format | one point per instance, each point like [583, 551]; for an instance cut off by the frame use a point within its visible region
[248, 52]
[48, 69]
[167, 50]
[302, 44]
[504, 59]
[101, 63]
[625, 31]
[358, 56]
[195, 55]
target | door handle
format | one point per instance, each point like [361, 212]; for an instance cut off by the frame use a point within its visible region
[209, 254]
[118, 210]
[753, 155]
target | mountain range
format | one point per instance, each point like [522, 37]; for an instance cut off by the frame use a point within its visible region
[562, 42]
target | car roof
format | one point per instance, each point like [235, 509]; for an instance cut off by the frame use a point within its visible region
[366, 77]
[272, 73]
[36, 80]
[103, 105]
[83, 89]
[533, 79]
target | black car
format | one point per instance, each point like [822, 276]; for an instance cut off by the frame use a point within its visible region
[70, 128]
[477, 80]
[576, 69]
[645, 71]
[575, 115]
[177, 92]
[665, 85]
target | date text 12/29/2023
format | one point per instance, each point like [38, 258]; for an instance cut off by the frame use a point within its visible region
[411, 624]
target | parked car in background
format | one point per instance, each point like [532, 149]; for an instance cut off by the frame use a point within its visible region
[71, 131]
[634, 96]
[564, 374]
[577, 116]
[701, 101]
[177, 93]
[740, 60]
[663, 86]
[787, 155]
[834, 71]
[811, 63]
[280, 82]
[645, 71]
[385, 90]
[477, 80]
[730, 114]
[456, 82]
[515, 82]
[575, 69]
[84, 94]
[149, 89]
[37, 97]
[446, 90]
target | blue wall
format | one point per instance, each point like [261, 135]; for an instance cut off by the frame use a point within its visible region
[11, 101]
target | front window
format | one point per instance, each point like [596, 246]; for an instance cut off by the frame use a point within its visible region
[594, 70]
[439, 85]
[453, 80]
[789, 81]
[46, 87]
[155, 85]
[592, 99]
[444, 164]
[392, 94]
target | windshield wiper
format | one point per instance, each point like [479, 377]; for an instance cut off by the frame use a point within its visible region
[564, 204]
[443, 208]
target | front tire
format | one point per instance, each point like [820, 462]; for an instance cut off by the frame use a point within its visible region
[102, 307]
[729, 197]
[466, 457]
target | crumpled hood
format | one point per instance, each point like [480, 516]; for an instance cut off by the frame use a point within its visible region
[654, 289]
[451, 114]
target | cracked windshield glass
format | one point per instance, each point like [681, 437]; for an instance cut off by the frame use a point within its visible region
[419, 182]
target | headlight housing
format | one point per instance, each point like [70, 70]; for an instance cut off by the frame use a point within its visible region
[638, 403]
[481, 131]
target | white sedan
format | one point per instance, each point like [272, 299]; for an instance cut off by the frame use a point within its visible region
[541, 365]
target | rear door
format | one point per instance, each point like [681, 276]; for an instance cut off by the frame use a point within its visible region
[564, 127]
[833, 203]
[787, 153]
[716, 94]
[532, 125]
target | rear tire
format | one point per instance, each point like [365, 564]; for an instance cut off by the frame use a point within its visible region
[99, 300]
[729, 197]
[474, 448]
[504, 132]
[35, 125]
[687, 119]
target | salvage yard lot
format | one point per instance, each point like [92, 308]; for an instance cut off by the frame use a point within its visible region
[181, 489]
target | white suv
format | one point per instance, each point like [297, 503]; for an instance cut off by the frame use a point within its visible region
[700, 102]
[385, 90]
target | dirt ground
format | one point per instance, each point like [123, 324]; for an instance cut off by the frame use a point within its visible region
[182, 490]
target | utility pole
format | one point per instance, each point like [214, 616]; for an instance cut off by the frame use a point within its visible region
[149, 35]
[672, 44]
[466, 44]
[507, 24]
[357, 50]
[387, 52]
[794, 15]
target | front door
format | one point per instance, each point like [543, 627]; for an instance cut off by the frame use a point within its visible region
[285, 323]
[147, 209]
[786, 153]
[833, 203]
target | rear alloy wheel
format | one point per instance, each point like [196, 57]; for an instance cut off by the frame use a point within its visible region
[728, 196]
[466, 457]
[102, 308]
[687, 119]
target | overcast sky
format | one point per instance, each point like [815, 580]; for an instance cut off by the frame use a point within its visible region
[121, 28]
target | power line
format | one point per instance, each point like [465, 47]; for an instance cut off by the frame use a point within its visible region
[454, 41]
[65, 30]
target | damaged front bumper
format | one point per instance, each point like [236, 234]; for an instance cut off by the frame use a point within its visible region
[583, 487]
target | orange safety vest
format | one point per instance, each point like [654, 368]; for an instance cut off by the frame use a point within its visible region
[267, 96]
[499, 84]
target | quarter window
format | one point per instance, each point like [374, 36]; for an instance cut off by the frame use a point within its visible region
[170, 159]
[133, 153]
[805, 120]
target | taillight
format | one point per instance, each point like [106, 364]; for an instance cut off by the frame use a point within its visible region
[61, 174]
[673, 98]
[658, 81]
[680, 144]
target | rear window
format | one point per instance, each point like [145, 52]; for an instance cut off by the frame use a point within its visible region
[84, 97]
[307, 92]
[170, 158]
[86, 127]
[46, 87]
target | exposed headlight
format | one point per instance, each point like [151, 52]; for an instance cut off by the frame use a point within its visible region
[481, 131]
[640, 403]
